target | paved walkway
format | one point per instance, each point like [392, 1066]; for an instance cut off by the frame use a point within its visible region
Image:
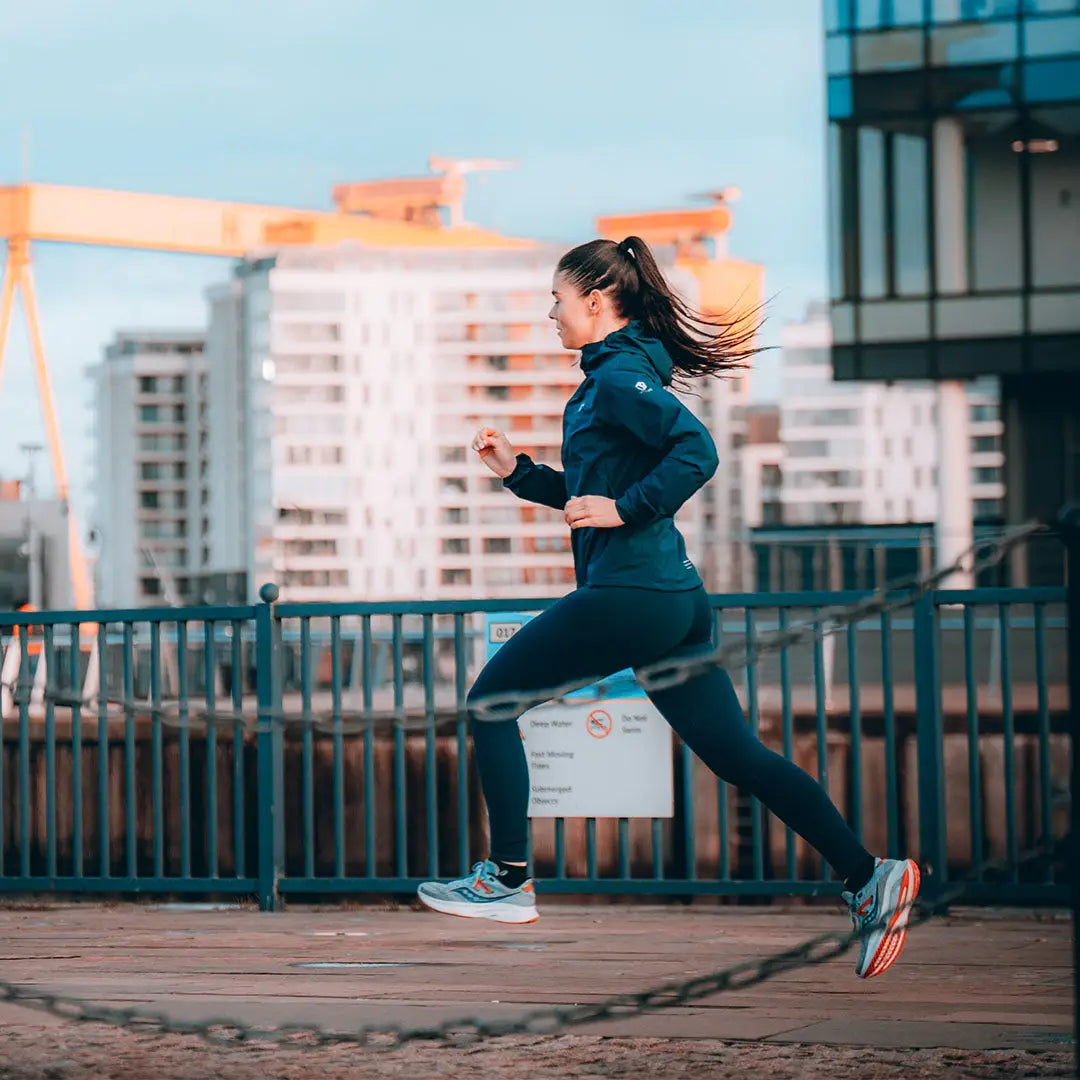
[977, 981]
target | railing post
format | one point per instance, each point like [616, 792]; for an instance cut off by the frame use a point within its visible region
[1069, 521]
[929, 738]
[271, 785]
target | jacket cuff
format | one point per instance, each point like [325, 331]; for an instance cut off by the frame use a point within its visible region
[524, 464]
[631, 513]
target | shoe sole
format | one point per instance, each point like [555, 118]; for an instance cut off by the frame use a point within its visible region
[892, 942]
[493, 912]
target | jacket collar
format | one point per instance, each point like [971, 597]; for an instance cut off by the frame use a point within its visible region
[633, 339]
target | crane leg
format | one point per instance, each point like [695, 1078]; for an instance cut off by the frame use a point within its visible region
[80, 577]
[7, 298]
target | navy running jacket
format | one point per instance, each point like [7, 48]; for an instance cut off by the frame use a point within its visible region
[626, 436]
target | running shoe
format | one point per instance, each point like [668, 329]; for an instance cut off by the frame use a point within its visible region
[481, 896]
[879, 913]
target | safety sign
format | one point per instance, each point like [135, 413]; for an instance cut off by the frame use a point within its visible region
[593, 755]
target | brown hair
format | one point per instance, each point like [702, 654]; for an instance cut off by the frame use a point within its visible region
[697, 344]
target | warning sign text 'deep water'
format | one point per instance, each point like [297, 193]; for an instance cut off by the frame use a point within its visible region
[593, 757]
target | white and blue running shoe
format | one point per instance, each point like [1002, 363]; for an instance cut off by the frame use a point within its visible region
[481, 896]
[879, 913]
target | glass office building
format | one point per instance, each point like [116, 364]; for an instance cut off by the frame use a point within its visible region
[954, 153]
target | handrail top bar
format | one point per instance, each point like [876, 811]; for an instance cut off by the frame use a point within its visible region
[92, 616]
[223, 613]
[1034, 594]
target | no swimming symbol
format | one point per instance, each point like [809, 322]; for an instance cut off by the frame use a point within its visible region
[598, 724]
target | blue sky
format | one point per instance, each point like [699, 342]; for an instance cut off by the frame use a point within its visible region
[609, 105]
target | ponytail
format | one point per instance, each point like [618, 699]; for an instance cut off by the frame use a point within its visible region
[698, 344]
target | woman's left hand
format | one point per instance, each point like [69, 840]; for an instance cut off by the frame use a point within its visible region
[592, 512]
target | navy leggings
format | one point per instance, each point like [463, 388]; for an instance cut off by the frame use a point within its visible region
[597, 631]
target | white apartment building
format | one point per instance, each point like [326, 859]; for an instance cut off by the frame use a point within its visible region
[345, 385]
[869, 452]
[151, 469]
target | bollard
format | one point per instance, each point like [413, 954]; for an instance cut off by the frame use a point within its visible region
[1069, 522]
[269, 754]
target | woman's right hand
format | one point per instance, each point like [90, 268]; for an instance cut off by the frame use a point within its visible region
[495, 451]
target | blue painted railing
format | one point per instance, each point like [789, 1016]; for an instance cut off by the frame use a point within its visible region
[315, 749]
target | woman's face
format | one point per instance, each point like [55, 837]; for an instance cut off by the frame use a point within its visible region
[575, 315]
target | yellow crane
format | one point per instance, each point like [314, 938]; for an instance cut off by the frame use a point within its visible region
[123, 219]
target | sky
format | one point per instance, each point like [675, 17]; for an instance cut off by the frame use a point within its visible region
[608, 106]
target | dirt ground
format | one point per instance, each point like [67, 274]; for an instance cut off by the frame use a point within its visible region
[98, 1053]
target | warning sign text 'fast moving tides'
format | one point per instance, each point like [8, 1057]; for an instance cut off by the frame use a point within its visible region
[592, 757]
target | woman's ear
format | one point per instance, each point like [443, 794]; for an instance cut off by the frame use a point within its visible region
[594, 301]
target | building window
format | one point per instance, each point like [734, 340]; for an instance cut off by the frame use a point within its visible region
[304, 364]
[150, 586]
[995, 218]
[308, 333]
[824, 417]
[149, 500]
[499, 545]
[455, 546]
[147, 384]
[827, 478]
[456, 577]
[315, 579]
[872, 224]
[149, 413]
[1055, 192]
[986, 444]
[310, 547]
[808, 449]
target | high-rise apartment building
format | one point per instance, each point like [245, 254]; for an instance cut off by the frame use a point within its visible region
[345, 387]
[151, 515]
[869, 452]
[321, 442]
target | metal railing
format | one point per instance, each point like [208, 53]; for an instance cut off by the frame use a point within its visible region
[316, 749]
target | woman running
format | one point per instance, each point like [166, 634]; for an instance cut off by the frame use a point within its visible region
[633, 453]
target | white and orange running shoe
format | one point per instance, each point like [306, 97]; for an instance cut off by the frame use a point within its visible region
[880, 911]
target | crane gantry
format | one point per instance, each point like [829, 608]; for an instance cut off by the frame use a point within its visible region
[391, 213]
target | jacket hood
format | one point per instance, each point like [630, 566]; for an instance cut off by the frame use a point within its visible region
[633, 339]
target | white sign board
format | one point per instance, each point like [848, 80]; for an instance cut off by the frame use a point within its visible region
[593, 756]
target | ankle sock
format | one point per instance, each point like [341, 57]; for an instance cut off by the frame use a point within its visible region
[861, 875]
[513, 877]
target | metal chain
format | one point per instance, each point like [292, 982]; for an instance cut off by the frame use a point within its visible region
[548, 1020]
[543, 1021]
[661, 675]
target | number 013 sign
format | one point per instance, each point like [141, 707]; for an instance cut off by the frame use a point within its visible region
[593, 756]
